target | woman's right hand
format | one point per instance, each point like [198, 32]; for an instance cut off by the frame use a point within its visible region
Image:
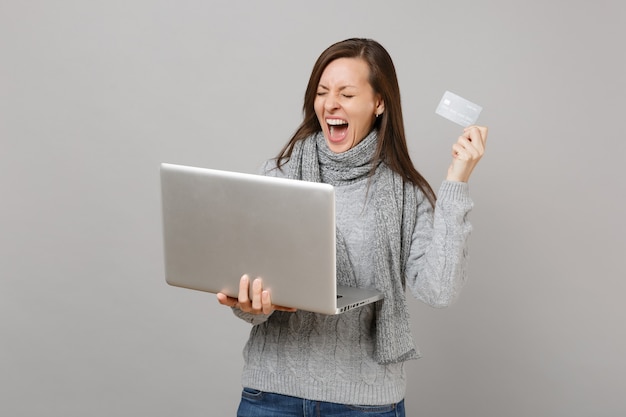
[466, 153]
[260, 303]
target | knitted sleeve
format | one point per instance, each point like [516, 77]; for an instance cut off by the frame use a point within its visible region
[436, 269]
[253, 319]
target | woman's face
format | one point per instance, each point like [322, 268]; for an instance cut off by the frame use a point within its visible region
[346, 105]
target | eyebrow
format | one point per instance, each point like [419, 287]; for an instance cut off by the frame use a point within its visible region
[340, 88]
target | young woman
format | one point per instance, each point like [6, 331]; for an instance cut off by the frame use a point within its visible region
[392, 233]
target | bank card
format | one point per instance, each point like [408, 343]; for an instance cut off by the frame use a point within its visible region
[458, 109]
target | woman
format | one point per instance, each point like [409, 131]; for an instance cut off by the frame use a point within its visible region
[391, 233]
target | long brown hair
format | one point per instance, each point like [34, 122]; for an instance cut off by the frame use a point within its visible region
[392, 147]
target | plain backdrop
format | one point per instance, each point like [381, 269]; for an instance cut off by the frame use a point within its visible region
[95, 94]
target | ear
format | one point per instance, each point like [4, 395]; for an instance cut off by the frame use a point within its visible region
[380, 106]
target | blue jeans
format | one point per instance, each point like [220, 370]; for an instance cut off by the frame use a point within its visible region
[256, 403]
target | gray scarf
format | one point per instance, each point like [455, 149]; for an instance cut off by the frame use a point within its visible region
[395, 205]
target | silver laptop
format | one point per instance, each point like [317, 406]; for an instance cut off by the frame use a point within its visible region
[219, 225]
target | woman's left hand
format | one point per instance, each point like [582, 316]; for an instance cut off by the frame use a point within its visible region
[466, 153]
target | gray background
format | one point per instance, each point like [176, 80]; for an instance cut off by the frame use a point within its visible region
[94, 95]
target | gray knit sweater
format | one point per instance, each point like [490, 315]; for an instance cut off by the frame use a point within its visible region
[330, 358]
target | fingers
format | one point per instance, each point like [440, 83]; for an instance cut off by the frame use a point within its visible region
[463, 150]
[257, 301]
[466, 152]
[245, 303]
[244, 284]
[257, 291]
[226, 300]
[477, 135]
[471, 144]
[268, 307]
[242, 301]
[266, 302]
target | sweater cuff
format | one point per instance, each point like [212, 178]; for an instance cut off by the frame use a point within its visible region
[253, 319]
[455, 191]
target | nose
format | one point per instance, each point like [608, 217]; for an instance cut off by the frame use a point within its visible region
[331, 103]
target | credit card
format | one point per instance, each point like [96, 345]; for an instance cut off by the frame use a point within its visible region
[457, 109]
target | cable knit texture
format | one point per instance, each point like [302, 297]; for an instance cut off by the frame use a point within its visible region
[395, 206]
[387, 237]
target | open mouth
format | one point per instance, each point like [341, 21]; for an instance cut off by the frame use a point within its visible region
[337, 128]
